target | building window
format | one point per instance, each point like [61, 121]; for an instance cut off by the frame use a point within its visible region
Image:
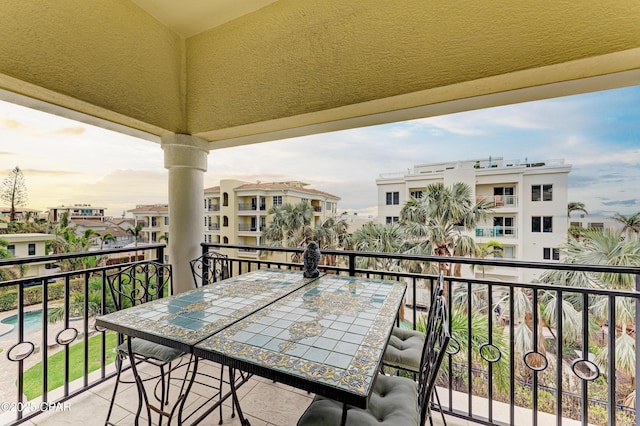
[32, 249]
[541, 192]
[392, 220]
[154, 222]
[277, 200]
[328, 206]
[416, 194]
[542, 224]
[166, 221]
[225, 199]
[11, 248]
[551, 253]
[596, 225]
[304, 200]
[393, 198]
[225, 221]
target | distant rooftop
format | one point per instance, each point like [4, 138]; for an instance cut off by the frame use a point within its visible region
[297, 185]
[483, 163]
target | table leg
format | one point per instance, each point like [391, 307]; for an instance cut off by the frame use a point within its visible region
[343, 421]
[236, 401]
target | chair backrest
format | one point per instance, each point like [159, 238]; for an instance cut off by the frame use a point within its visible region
[139, 283]
[209, 268]
[435, 347]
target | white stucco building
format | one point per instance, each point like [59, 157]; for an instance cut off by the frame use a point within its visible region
[530, 214]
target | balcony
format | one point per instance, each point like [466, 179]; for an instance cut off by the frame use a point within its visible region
[497, 231]
[247, 227]
[499, 200]
[213, 208]
[490, 381]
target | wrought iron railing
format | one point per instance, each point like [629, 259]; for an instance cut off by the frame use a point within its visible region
[494, 379]
[500, 377]
[63, 357]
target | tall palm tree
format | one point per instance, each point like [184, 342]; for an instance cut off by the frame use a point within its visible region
[576, 206]
[599, 247]
[290, 226]
[136, 232]
[435, 223]
[108, 237]
[375, 237]
[630, 224]
[490, 249]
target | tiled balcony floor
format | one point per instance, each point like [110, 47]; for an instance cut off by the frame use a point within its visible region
[263, 402]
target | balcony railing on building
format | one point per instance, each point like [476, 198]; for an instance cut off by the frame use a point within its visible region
[496, 231]
[213, 208]
[487, 376]
[499, 200]
[251, 207]
[213, 227]
[247, 227]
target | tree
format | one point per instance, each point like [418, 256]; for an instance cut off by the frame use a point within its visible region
[375, 237]
[290, 226]
[575, 206]
[490, 249]
[630, 224]
[136, 232]
[14, 191]
[108, 237]
[598, 247]
[434, 224]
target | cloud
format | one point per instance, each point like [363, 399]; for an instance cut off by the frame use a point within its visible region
[622, 203]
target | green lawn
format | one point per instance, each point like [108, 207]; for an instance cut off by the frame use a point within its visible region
[55, 366]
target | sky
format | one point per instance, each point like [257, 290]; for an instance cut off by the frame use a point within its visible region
[67, 162]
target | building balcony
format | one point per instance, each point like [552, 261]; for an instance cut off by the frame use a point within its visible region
[491, 381]
[497, 231]
[247, 227]
[213, 208]
[213, 227]
[499, 200]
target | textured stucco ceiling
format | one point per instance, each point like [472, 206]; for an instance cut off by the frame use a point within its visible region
[191, 17]
[235, 72]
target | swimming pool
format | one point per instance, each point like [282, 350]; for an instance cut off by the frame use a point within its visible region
[32, 321]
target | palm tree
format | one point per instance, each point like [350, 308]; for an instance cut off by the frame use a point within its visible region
[630, 224]
[375, 237]
[575, 206]
[290, 226]
[435, 223]
[598, 247]
[108, 237]
[136, 232]
[490, 249]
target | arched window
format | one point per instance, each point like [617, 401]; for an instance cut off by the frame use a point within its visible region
[225, 221]
[226, 240]
[225, 199]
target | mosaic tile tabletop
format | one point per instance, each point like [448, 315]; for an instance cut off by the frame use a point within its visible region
[184, 319]
[328, 337]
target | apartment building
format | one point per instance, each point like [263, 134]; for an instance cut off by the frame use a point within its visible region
[154, 219]
[236, 212]
[26, 245]
[77, 212]
[530, 214]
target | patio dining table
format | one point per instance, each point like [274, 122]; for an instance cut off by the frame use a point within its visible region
[325, 335]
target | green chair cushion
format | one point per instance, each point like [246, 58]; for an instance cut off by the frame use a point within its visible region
[393, 402]
[404, 350]
[149, 349]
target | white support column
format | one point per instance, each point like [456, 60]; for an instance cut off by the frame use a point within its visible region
[185, 157]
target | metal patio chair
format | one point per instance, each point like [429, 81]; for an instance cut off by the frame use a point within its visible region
[395, 400]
